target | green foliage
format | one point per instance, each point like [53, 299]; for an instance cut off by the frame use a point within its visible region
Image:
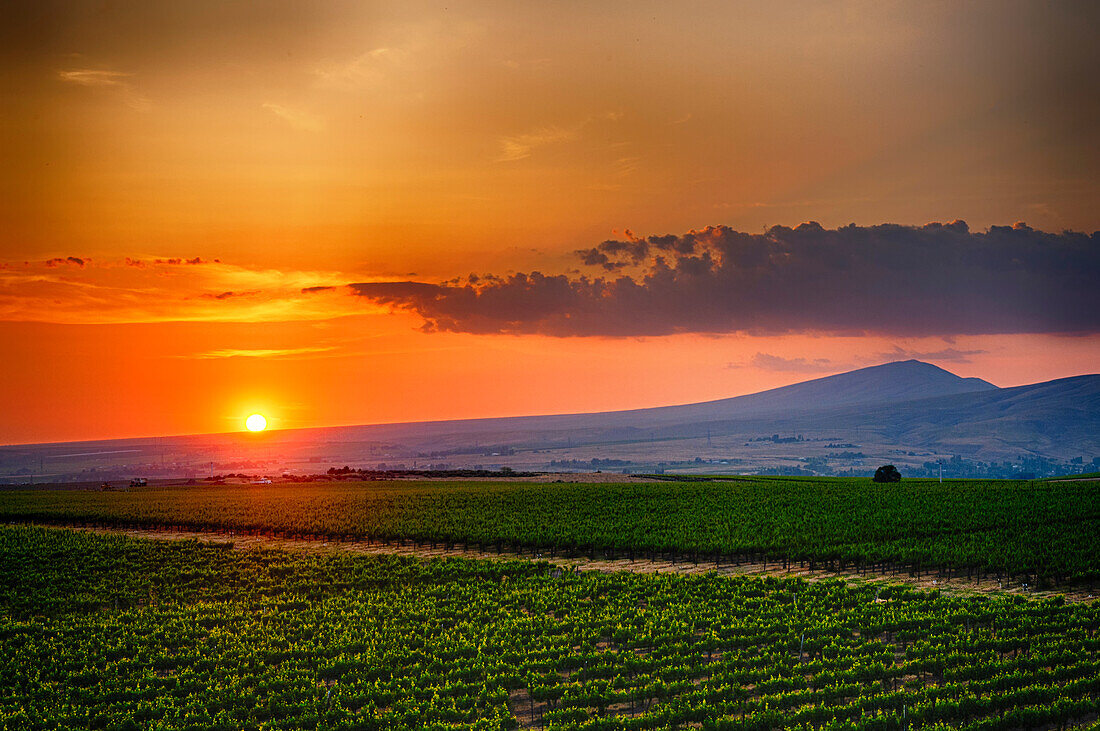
[1044, 530]
[110, 632]
[887, 473]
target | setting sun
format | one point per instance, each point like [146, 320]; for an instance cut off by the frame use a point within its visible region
[256, 422]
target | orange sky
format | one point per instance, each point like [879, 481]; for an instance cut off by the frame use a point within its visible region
[286, 146]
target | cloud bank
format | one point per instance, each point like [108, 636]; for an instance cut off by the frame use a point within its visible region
[935, 279]
[782, 364]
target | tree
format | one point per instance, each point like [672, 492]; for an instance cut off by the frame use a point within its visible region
[887, 473]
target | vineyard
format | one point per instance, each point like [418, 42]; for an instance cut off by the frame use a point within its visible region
[1034, 532]
[187, 635]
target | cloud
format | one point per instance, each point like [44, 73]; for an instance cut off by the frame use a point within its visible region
[116, 82]
[612, 254]
[319, 288]
[73, 260]
[366, 69]
[780, 364]
[174, 261]
[229, 294]
[296, 118]
[769, 362]
[129, 290]
[517, 147]
[950, 355]
[96, 77]
[889, 279]
[520, 146]
[259, 352]
[627, 165]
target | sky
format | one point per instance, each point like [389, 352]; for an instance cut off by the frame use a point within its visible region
[360, 212]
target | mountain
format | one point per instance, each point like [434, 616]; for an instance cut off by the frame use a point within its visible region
[909, 404]
[1059, 418]
[907, 410]
[888, 383]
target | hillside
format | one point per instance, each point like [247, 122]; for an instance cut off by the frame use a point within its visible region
[888, 383]
[906, 408]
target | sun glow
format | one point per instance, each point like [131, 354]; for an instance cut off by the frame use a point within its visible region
[256, 422]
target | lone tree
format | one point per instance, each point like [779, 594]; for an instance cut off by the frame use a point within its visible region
[887, 473]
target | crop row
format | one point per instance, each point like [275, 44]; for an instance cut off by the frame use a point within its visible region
[188, 635]
[1037, 532]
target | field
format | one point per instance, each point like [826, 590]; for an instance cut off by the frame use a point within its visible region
[107, 631]
[1043, 534]
[186, 635]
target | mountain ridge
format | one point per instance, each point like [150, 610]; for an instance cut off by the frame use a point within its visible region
[908, 404]
[857, 385]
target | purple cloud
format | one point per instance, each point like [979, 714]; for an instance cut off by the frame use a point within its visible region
[937, 279]
[950, 355]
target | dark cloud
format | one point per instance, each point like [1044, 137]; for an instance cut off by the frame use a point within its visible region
[937, 279]
[614, 254]
[74, 260]
[312, 290]
[177, 260]
[229, 295]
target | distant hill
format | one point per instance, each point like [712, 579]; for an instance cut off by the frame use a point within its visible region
[888, 383]
[883, 384]
[1056, 418]
[910, 404]
[903, 408]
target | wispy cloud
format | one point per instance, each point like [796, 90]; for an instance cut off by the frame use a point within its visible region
[228, 295]
[296, 118]
[260, 352]
[366, 69]
[519, 146]
[627, 165]
[148, 288]
[769, 362]
[116, 82]
[798, 364]
[948, 355]
[96, 77]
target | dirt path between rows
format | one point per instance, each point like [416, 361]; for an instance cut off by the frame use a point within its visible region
[241, 542]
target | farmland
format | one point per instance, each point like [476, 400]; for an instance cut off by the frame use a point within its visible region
[101, 630]
[189, 635]
[1035, 532]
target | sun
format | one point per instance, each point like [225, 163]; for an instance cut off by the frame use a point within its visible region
[256, 422]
